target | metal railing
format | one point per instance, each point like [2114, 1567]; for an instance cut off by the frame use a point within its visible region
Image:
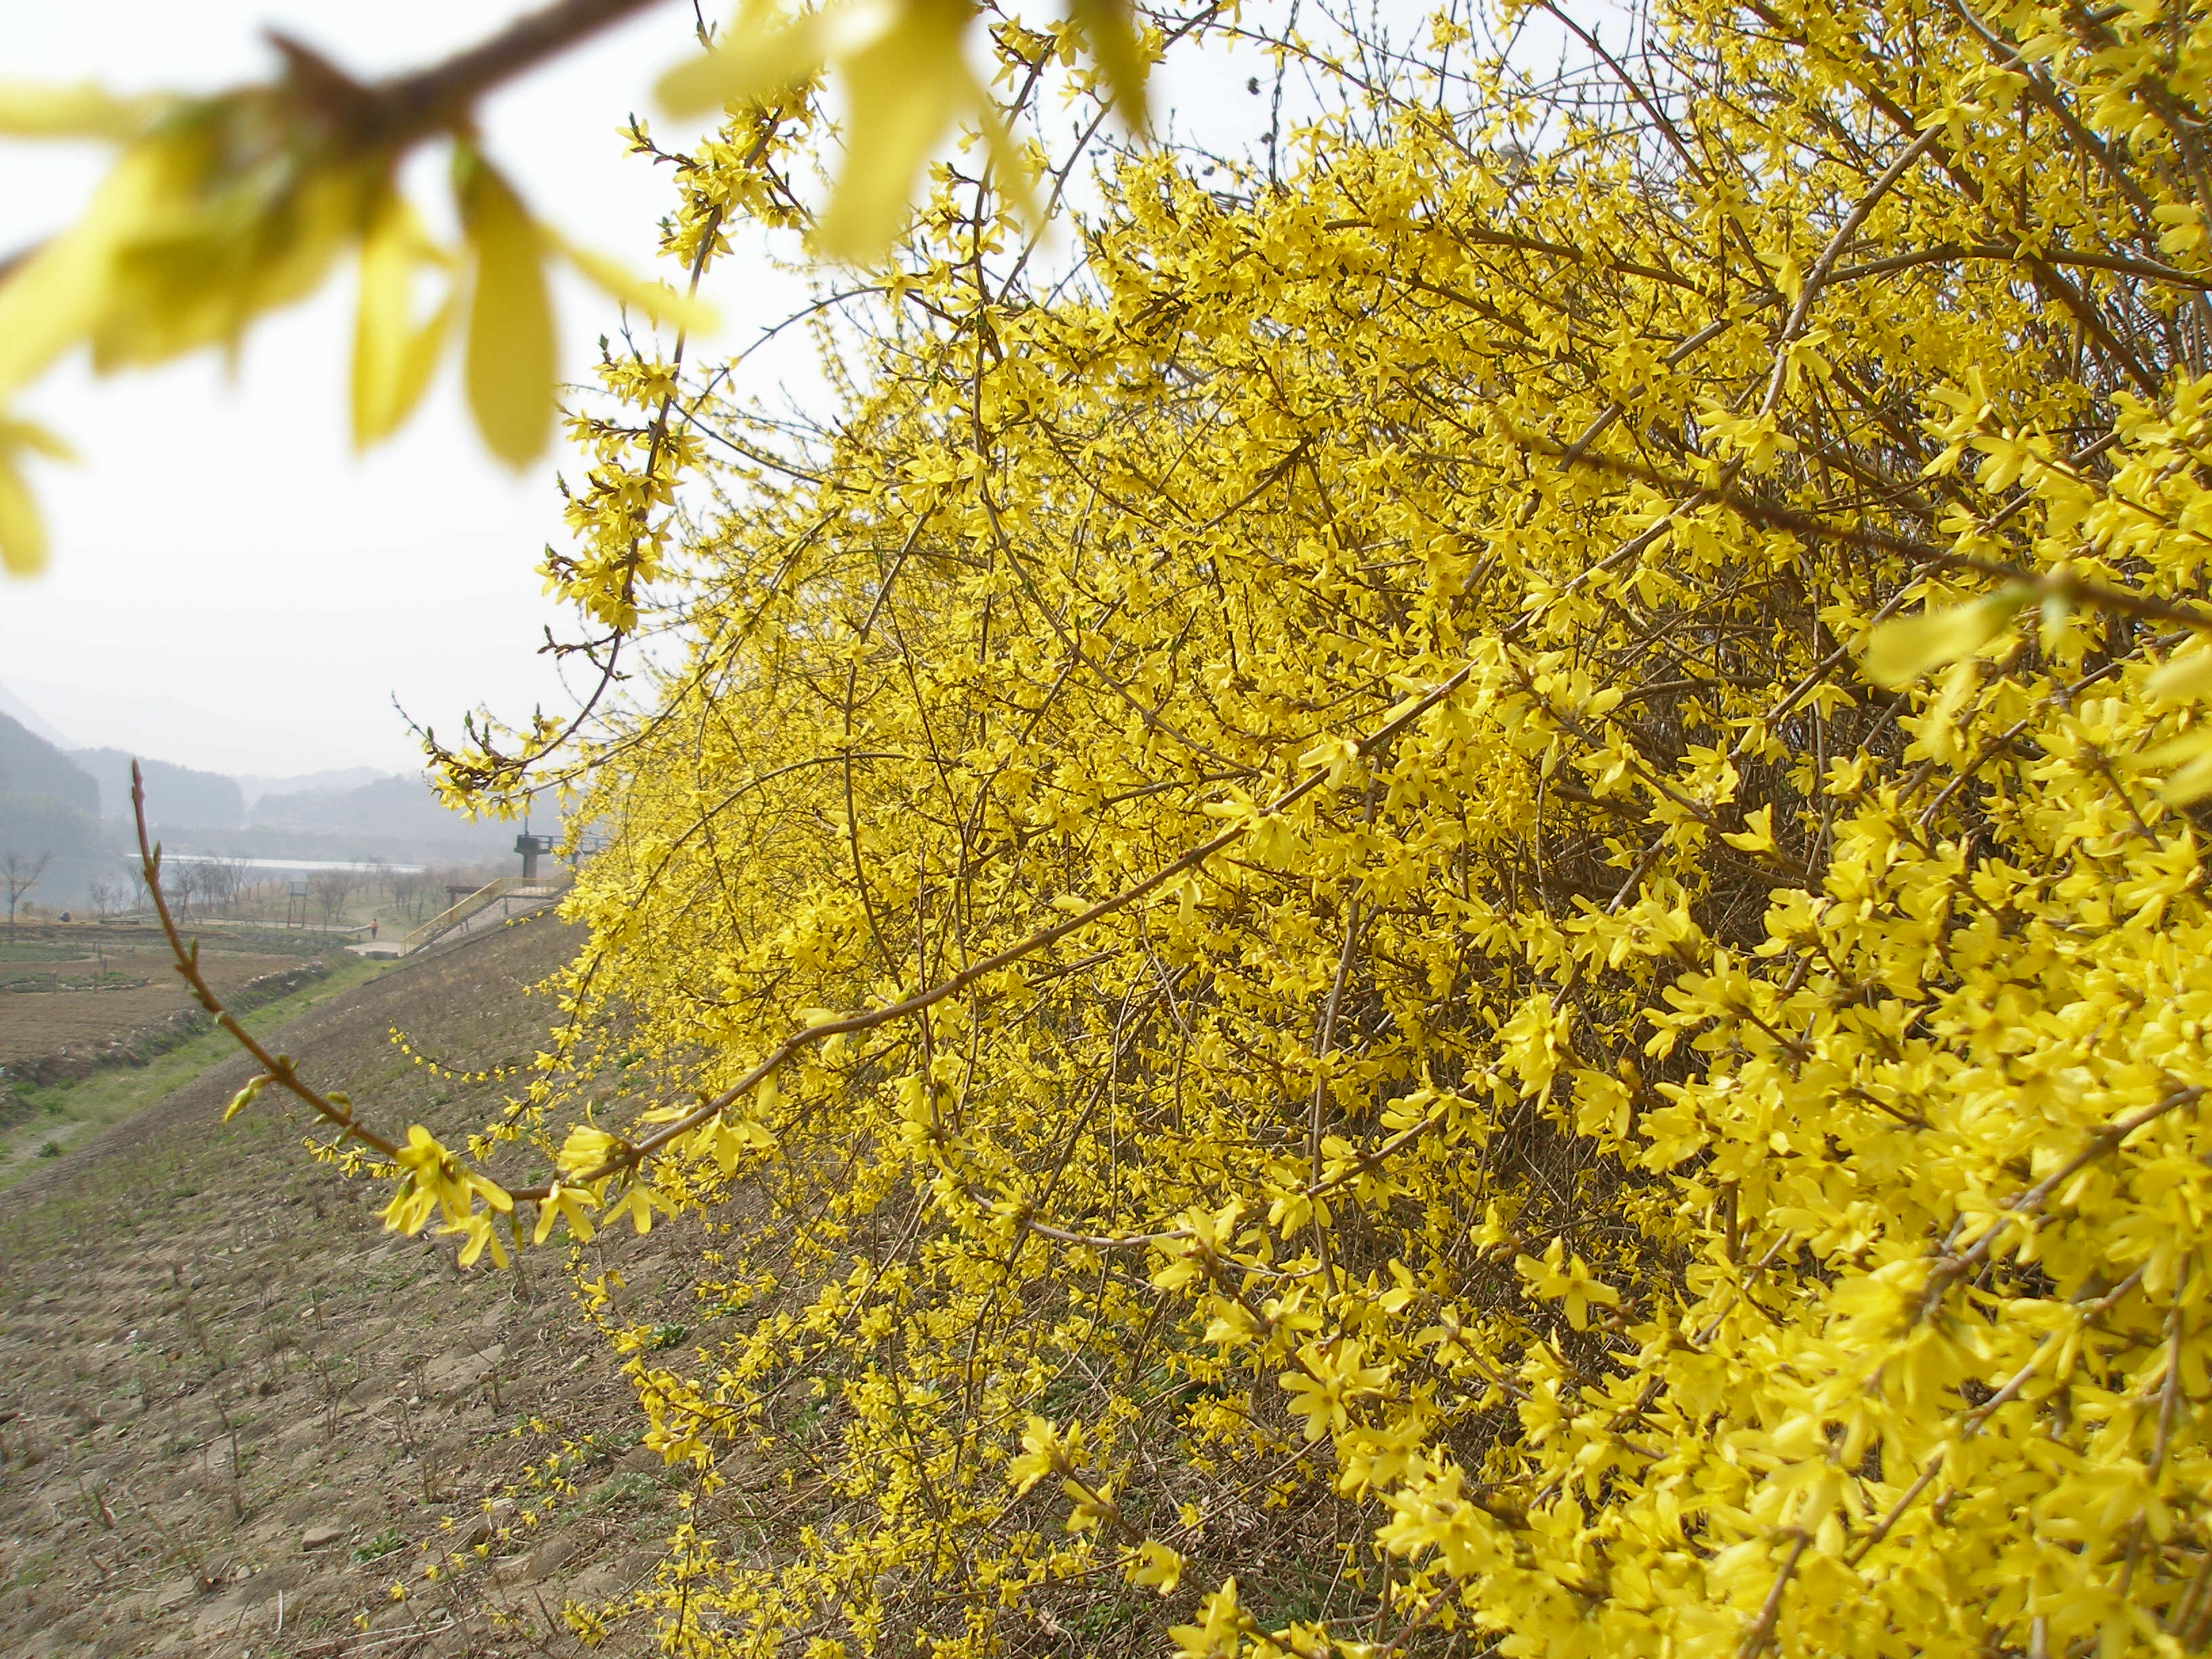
[491, 892]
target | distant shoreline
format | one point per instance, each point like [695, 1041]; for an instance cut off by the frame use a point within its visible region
[293, 864]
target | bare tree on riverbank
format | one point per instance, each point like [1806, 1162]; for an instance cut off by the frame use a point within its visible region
[19, 873]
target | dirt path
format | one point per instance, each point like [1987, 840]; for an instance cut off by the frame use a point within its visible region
[234, 1415]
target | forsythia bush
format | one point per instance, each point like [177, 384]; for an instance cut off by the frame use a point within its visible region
[1404, 1043]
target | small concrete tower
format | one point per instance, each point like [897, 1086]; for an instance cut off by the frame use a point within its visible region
[531, 846]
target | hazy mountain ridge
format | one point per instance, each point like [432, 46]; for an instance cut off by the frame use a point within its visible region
[400, 818]
[73, 807]
[256, 785]
[30, 719]
[175, 794]
[49, 813]
[389, 806]
[32, 767]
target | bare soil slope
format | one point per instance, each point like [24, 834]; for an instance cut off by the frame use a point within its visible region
[234, 1415]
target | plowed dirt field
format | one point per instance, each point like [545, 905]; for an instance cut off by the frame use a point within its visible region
[235, 1416]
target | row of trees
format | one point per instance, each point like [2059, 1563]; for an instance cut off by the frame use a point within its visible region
[231, 887]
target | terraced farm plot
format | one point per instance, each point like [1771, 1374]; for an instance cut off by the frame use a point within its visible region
[139, 990]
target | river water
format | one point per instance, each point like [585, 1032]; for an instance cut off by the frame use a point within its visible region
[309, 865]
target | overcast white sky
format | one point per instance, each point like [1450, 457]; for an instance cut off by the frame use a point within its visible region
[231, 589]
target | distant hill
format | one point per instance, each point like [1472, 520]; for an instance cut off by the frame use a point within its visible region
[38, 826]
[344, 777]
[175, 794]
[388, 807]
[29, 718]
[30, 766]
[74, 808]
[49, 810]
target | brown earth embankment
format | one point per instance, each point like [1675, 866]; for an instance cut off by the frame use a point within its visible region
[234, 1413]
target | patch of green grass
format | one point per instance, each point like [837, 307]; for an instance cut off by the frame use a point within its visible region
[34, 1570]
[37, 949]
[32, 980]
[598, 1444]
[67, 1113]
[632, 1486]
[383, 1544]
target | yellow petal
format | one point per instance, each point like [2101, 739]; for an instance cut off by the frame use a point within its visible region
[27, 435]
[1758, 835]
[224, 239]
[2189, 755]
[2173, 752]
[54, 298]
[393, 359]
[2191, 783]
[491, 1192]
[1155, 1565]
[2184, 679]
[901, 89]
[1899, 652]
[656, 300]
[1110, 27]
[1015, 176]
[22, 533]
[754, 61]
[510, 350]
[83, 111]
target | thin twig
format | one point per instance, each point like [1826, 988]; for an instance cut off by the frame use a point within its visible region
[1773, 515]
[1756, 1638]
[279, 1070]
[404, 109]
